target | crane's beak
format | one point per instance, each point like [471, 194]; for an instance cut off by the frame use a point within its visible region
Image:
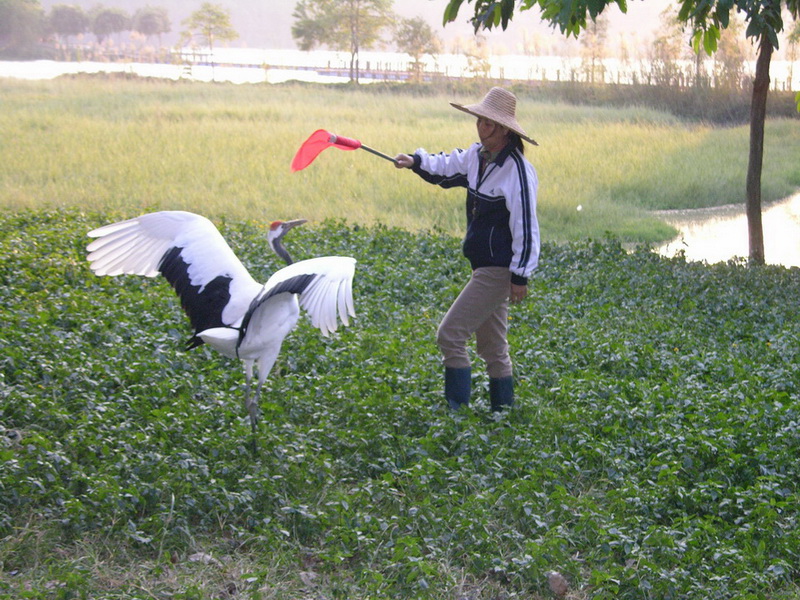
[287, 225]
[290, 224]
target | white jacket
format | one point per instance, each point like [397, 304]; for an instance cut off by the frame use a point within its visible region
[502, 228]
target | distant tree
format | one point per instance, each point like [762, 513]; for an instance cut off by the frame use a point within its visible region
[593, 49]
[730, 57]
[625, 49]
[21, 26]
[457, 44]
[150, 21]
[477, 52]
[534, 43]
[107, 21]
[346, 25]
[68, 20]
[210, 24]
[416, 38]
[701, 78]
[666, 51]
[793, 41]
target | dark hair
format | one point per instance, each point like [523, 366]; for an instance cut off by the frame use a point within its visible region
[514, 139]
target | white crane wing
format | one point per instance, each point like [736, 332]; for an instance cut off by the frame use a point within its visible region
[324, 287]
[214, 286]
[137, 247]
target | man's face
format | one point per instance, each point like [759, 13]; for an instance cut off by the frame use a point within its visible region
[492, 135]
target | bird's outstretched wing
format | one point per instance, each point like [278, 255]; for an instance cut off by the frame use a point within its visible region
[214, 286]
[323, 285]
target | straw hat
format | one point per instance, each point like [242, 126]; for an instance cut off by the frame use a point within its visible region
[500, 106]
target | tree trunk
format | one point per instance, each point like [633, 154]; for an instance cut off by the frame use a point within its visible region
[758, 114]
[354, 67]
[354, 44]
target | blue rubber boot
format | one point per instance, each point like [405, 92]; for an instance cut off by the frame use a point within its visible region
[457, 385]
[501, 392]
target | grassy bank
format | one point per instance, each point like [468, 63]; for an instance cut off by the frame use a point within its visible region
[652, 454]
[127, 146]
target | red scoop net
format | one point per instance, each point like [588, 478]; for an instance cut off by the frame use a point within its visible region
[316, 143]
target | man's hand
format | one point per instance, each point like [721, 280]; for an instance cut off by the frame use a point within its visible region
[403, 161]
[518, 293]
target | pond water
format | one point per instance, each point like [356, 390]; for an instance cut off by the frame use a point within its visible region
[719, 234]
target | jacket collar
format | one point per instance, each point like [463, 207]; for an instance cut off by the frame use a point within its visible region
[502, 155]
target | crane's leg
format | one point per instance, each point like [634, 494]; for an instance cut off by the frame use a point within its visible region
[248, 380]
[254, 409]
[265, 363]
[251, 403]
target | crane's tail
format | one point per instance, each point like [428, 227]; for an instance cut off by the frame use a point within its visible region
[223, 339]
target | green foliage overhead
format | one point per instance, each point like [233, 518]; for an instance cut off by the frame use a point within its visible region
[764, 17]
[653, 451]
[570, 17]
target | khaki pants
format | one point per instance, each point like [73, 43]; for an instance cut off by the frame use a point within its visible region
[481, 308]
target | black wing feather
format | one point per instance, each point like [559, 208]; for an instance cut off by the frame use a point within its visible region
[203, 306]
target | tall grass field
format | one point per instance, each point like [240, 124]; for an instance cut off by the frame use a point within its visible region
[129, 146]
[652, 452]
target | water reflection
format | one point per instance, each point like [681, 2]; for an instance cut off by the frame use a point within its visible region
[719, 234]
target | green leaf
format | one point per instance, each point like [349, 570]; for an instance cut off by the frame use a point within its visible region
[697, 41]
[595, 7]
[497, 15]
[724, 17]
[772, 36]
[685, 11]
[507, 12]
[451, 11]
[755, 27]
[710, 39]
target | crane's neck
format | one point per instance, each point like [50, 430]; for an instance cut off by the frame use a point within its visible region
[282, 252]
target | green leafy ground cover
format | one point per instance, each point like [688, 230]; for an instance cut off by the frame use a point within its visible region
[652, 454]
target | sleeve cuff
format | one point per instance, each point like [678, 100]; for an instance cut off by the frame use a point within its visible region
[518, 279]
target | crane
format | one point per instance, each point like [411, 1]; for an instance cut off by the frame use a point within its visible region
[228, 309]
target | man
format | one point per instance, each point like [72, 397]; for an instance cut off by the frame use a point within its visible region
[501, 242]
